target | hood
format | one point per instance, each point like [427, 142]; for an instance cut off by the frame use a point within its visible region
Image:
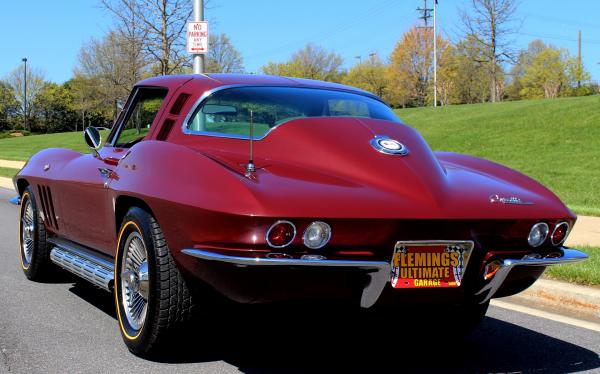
[327, 167]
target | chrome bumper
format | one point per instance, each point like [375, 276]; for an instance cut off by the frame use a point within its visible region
[568, 256]
[378, 271]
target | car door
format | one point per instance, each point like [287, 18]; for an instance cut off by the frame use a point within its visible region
[87, 208]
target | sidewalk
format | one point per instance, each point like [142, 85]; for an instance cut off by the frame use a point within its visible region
[11, 164]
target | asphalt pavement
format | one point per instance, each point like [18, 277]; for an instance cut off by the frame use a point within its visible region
[68, 326]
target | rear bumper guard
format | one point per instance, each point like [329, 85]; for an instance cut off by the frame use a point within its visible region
[568, 256]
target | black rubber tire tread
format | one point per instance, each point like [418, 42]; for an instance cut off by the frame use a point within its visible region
[171, 306]
[40, 268]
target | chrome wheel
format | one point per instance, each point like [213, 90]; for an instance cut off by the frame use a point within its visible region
[134, 280]
[27, 232]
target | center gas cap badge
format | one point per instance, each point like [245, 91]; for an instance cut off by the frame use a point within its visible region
[388, 146]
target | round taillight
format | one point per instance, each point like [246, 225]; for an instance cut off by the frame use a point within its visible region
[538, 234]
[560, 233]
[317, 235]
[281, 234]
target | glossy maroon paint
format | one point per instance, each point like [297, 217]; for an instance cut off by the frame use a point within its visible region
[307, 169]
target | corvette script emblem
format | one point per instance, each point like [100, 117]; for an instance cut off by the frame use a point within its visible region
[388, 146]
[495, 199]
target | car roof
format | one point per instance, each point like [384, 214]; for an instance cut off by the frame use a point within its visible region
[222, 79]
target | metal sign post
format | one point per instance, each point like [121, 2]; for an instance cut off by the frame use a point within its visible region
[197, 37]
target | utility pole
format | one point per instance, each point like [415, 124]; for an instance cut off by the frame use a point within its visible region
[579, 69]
[25, 124]
[426, 13]
[198, 16]
[435, 2]
[359, 58]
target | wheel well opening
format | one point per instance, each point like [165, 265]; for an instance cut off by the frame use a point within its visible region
[123, 204]
[22, 185]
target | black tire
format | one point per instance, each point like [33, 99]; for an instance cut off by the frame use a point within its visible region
[169, 302]
[36, 263]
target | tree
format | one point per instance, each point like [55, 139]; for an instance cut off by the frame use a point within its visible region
[55, 111]
[471, 72]
[447, 73]
[9, 106]
[369, 75]
[222, 57]
[550, 71]
[160, 24]
[112, 67]
[35, 82]
[311, 62]
[490, 23]
[411, 68]
[88, 100]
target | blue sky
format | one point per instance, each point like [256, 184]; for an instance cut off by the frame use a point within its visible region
[50, 33]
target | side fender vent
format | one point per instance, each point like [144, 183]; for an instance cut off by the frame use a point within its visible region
[165, 130]
[50, 218]
[179, 103]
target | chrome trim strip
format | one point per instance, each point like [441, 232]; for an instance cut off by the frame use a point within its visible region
[568, 256]
[206, 94]
[379, 270]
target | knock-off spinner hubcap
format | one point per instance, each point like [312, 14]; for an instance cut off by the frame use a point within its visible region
[134, 280]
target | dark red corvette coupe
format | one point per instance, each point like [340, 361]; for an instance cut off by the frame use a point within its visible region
[268, 189]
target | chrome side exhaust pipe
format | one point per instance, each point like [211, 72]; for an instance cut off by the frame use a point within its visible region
[95, 270]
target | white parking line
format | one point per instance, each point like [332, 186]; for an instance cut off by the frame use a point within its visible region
[547, 315]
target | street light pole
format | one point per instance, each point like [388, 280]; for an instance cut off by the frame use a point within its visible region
[198, 16]
[435, 53]
[25, 125]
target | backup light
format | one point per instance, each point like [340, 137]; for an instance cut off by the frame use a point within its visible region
[317, 235]
[538, 234]
[491, 269]
[281, 234]
[560, 233]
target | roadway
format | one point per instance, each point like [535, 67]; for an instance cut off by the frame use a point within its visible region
[68, 326]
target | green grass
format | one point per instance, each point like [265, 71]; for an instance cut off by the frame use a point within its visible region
[8, 172]
[586, 272]
[22, 148]
[556, 142]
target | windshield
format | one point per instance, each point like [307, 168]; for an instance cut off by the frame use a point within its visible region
[228, 112]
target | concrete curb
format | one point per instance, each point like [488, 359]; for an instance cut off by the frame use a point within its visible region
[561, 297]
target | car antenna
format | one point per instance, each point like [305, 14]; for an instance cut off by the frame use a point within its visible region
[250, 168]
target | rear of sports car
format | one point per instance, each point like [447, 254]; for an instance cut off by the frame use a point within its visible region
[347, 202]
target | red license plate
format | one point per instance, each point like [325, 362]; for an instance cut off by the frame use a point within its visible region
[430, 264]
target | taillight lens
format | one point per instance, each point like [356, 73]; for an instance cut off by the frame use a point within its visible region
[281, 234]
[560, 233]
[538, 234]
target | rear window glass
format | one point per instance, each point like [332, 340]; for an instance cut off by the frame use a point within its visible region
[229, 111]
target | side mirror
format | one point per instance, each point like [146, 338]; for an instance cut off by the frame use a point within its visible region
[93, 138]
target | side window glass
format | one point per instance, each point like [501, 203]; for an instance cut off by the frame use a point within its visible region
[140, 116]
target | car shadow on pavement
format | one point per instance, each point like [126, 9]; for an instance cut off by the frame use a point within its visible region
[290, 339]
